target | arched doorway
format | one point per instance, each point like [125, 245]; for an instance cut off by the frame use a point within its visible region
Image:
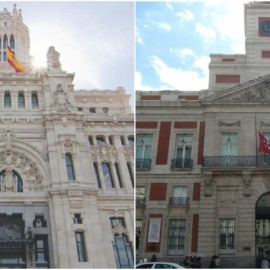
[263, 225]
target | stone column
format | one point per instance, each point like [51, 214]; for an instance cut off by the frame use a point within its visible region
[100, 173]
[114, 175]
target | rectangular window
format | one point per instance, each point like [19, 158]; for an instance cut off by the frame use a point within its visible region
[176, 237]
[77, 219]
[101, 140]
[229, 149]
[34, 98]
[21, 101]
[7, 99]
[130, 173]
[143, 151]
[138, 232]
[226, 236]
[107, 175]
[179, 196]
[131, 140]
[117, 169]
[90, 139]
[140, 196]
[70, 168]
[183, 151]
[80, 246]
[5, 56]
[41, 251]
[97, 178]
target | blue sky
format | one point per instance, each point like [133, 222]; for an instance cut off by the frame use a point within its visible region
[95, 39]
[175, 39]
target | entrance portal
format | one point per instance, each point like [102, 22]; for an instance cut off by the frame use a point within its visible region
[13, 241]
[263, 226]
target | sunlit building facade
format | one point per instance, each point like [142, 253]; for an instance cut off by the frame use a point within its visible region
[66, 165]
[202, 186]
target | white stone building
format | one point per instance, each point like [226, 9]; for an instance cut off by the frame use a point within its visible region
[202, 186]
[66, 165]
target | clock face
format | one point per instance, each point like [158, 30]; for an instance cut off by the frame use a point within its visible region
[264, 27]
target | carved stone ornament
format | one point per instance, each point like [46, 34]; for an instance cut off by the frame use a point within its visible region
[17, 160]
[9, 182]
[228, 181]
[60, 100]
[259, 94]
[129, 151]
[104, 152]
[267, 182]
[68, 145]
[208, 185]
[265, 123]
[53, 58]
[120, 230]
[246, 182]
[226, 123]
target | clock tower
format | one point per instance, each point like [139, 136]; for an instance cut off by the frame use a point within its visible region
[228, 70]
[15, 34]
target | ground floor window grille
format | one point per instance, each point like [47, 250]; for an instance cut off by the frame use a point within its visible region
[226, 236]
[176, 237]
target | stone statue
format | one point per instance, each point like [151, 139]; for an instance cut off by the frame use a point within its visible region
[53, 59]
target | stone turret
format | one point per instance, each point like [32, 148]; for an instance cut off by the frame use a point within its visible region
[15, 33]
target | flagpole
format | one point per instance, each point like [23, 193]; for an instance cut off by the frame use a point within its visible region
[256, 134]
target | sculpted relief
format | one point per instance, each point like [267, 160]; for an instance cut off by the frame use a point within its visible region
[11, 159]
[259, 94]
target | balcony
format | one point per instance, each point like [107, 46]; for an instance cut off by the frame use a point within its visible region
[179, 201]
[143, 163]
[182, 163]
[140, 202]
[236, 161]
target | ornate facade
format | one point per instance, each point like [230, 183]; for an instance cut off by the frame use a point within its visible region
[202, 185]
[66, 165]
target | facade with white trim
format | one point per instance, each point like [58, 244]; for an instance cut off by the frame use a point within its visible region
[66, 165]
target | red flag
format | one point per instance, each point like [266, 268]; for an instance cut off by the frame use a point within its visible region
[264, 144]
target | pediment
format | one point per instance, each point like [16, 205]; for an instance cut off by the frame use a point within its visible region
[253, 92]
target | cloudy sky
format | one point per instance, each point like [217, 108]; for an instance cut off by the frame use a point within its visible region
[174, 41]
[95, 39]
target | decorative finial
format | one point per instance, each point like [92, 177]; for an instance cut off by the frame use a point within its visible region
[15, 12]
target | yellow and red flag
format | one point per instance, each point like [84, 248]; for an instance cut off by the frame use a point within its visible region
[19, 68]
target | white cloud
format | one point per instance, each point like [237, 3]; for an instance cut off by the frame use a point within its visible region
[208, 34]
[138, 37]
[202, 63]
[187, 15]
[168, 5]
[183, 53]
[227, 17]
[176, 78]
[139, 86]
[164, 26]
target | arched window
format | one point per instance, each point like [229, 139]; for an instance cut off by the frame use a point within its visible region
[10, 180]
[12, 42]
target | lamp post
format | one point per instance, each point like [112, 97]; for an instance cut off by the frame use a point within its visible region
[31, 240]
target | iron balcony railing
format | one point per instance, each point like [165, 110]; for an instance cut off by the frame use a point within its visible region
[143, 163]
[182, 163]
[236, 161]
[178, 201]
[140, 202]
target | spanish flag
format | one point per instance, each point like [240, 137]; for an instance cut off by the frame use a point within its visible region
[19, 68]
